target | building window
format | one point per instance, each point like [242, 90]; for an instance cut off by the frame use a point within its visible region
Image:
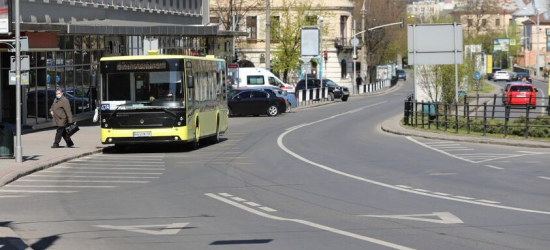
[497, 22]
[343, 27]
[214, 19]
[470, 22]
[311, 20]
[251, 28]
[483, 22]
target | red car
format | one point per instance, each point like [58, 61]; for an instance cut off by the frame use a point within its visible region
[519, 93]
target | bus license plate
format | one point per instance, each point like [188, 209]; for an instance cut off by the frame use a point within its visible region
[142, 134]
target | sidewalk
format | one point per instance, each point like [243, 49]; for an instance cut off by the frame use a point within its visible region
[394, 126]
[38, 155]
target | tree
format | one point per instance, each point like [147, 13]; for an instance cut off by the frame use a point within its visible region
[226, 9]
[286, 31]
[382, 45]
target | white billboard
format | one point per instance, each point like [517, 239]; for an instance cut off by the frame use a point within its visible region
[435, 44]
[310, 41]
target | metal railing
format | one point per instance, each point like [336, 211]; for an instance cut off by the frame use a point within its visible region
[497, 114]
[373, 87]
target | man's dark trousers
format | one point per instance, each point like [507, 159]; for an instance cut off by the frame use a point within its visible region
[60, 132]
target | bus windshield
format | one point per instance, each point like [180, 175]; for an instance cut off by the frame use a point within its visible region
[160, 88]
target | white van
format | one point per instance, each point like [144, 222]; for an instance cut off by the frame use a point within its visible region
[252, 77]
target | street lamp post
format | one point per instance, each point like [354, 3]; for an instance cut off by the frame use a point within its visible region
[320, 23]
[364, 63]
[268, 36]
[538, 38]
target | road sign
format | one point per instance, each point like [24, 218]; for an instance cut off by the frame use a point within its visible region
[354, 41]
[477, 75]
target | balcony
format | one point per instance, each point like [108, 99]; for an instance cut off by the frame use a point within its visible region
[342, 43]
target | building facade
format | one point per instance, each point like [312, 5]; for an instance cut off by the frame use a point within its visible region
[336, 41]
[68, 37]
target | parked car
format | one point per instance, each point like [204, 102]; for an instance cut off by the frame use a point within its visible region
[252, 77]
[38, 98]
[501, 76]
[495, 69]
[522, 76]
[401, 74]
[254, 102]
[519, 93]
[334, 90]
[289, 98]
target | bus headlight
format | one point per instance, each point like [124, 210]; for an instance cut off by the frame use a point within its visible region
[179, 123]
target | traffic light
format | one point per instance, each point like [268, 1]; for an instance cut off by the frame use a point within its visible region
[325, 55]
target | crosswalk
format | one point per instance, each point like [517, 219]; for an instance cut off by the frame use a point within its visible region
[96, 172]
[469, 154]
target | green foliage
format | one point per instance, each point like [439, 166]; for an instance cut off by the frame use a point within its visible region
[294, 14]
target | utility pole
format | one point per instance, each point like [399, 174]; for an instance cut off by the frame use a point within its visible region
[353, 57]
[538, 38]
[267, 35]
[364, 63]
[18, 147]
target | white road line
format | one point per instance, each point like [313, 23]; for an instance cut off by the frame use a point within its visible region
[94, 176]
[75, 181]
[542, 177]
[437, 142]
[11, 196]
[90, 172]
[438, 150]
[115, 165]
[238, 199]
[130, 157]
[421, 190]
[301, 158]
[495, 167]
[532, 153]
[268, 209]
[56, 186]
[118, 162]
[445, 145]
[442, 194]
[488, 201]
[464, 197]
[403, 186]
[225, 194]
[465, 149]
[482, 154]
[310, 224]
[36, 191]
[250, 203]
[98, 168]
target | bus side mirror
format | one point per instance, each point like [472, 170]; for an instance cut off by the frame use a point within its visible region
[190, 82]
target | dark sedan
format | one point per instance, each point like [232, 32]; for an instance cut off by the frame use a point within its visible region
[254, 102]
[401, 74]
[522, 76]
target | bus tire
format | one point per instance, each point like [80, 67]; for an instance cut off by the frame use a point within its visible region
[272, 110]
[195, 144]
[216, 137]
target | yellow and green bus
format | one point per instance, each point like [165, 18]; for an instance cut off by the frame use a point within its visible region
[162, 98]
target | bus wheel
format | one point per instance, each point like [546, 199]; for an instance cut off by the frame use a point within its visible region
[195, 144]
[216, 137]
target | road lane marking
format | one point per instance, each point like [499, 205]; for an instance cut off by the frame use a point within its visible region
[342, 173]
[75, 181]
[495, 167]
[115, 165]
[97, 168]
[542, 177]
[56, 186]
[90, 172]
[310, 224]
[225, 194]
[170, 229]
[11, 196]
[461, 149]
[464, 197]
[250, 203]
[421, 190]
[36, 191]
[403, 186]
[488, 201]
[268, 209]
[442, 194]
[441, 217]
[238, 199]
[93, 176]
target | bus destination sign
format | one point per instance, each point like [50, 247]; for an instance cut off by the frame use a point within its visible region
[143, 65]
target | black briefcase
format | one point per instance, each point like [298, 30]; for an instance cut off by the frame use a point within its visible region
[71, 129]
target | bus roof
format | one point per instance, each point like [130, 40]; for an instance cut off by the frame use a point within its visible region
[155, 57]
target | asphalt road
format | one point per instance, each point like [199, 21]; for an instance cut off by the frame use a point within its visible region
[320, 178]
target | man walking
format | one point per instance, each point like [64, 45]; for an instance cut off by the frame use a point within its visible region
[62, 116]
[358, 82]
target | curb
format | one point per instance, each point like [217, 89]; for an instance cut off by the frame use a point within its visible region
[394, 126]
[18, 173]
